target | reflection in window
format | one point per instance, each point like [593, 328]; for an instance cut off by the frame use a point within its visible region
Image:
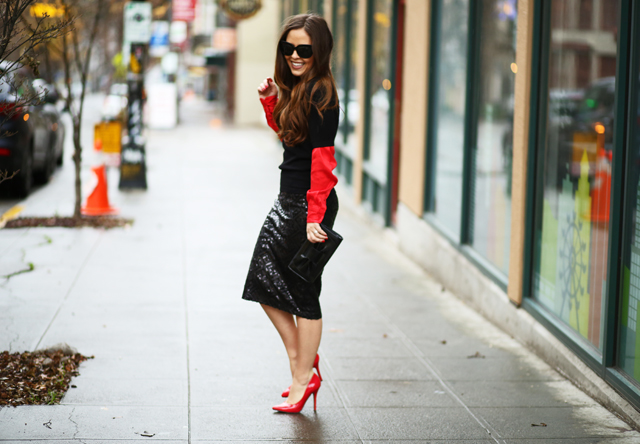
[380, 70]
[629, 351]
[572, 229]
[494, 153]
[449, 114]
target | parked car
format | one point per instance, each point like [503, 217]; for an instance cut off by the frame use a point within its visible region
[50, 96]
[25, 142]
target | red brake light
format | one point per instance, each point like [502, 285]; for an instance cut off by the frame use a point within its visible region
[5, 152]
[10, 108]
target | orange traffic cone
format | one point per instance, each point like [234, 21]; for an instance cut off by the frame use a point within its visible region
[98, 200]
[601, 193]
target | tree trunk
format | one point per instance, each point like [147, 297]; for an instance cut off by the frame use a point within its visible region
[77, 161]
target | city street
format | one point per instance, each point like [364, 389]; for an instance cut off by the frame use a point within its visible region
[180, 357]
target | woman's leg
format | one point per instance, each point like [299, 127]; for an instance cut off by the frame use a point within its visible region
[286, 326]
[309, 335]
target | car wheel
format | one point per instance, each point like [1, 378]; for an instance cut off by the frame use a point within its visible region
[44, 175]
[24, 180]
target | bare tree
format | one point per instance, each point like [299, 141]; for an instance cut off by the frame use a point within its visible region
[20, 35]
[4, 175]
[77, 47]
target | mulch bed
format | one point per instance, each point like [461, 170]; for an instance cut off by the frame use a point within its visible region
[37, 378]
[69, 222]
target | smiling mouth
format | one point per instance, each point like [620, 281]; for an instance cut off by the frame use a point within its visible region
[296, 65]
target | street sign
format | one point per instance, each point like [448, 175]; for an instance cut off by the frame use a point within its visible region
[178, 32]
[159, 44]
[137, 22]
[184, 10]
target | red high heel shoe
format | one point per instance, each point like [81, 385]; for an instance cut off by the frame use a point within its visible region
[316, 365]
[312, 389]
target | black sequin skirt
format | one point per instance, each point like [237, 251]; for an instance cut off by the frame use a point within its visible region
[269, 280]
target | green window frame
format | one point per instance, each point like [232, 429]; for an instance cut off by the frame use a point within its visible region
[628, 62]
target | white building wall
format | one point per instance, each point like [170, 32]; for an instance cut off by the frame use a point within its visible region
[257, 42]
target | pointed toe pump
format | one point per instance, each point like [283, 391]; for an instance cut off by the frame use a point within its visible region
[316, 365]
[312, 389]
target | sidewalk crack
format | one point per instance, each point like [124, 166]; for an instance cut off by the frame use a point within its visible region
[75, 424]
[73, 284]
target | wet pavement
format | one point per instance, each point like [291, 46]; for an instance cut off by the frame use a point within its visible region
[179, 357]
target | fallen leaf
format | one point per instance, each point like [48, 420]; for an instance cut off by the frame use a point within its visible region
[476, 355]
[542, 424]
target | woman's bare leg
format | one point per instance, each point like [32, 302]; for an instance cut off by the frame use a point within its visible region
[286, 326]
[309, 335]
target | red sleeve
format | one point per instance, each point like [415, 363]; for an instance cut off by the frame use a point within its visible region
[323, 161]
[269, 103]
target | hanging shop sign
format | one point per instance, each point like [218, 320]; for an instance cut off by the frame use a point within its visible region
[183, 10]
[137, 22]
[178, 32]
[224, 39]
[40, 9]
[159, 43]
[240, 9]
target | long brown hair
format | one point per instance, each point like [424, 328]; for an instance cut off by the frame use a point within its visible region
[294, 105]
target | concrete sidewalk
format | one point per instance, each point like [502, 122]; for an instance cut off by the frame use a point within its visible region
[178, 354]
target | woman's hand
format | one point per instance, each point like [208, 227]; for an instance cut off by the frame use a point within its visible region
[315, 233]
[267, 88]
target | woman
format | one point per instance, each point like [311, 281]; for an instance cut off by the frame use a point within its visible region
[305, 116]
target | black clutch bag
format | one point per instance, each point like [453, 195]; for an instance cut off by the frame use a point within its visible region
[311, 258]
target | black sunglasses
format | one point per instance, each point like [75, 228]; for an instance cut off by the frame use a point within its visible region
[304, 51]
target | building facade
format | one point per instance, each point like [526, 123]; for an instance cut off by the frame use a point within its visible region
[500, 141]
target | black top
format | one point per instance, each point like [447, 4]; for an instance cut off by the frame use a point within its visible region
[295, 176]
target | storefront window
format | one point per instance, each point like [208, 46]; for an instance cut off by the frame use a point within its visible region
[572, 227]
[351, 100]
[629, 329]
[345, 26]
[339, 62]
[380, 71]
[448, 117]
[494, 131]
